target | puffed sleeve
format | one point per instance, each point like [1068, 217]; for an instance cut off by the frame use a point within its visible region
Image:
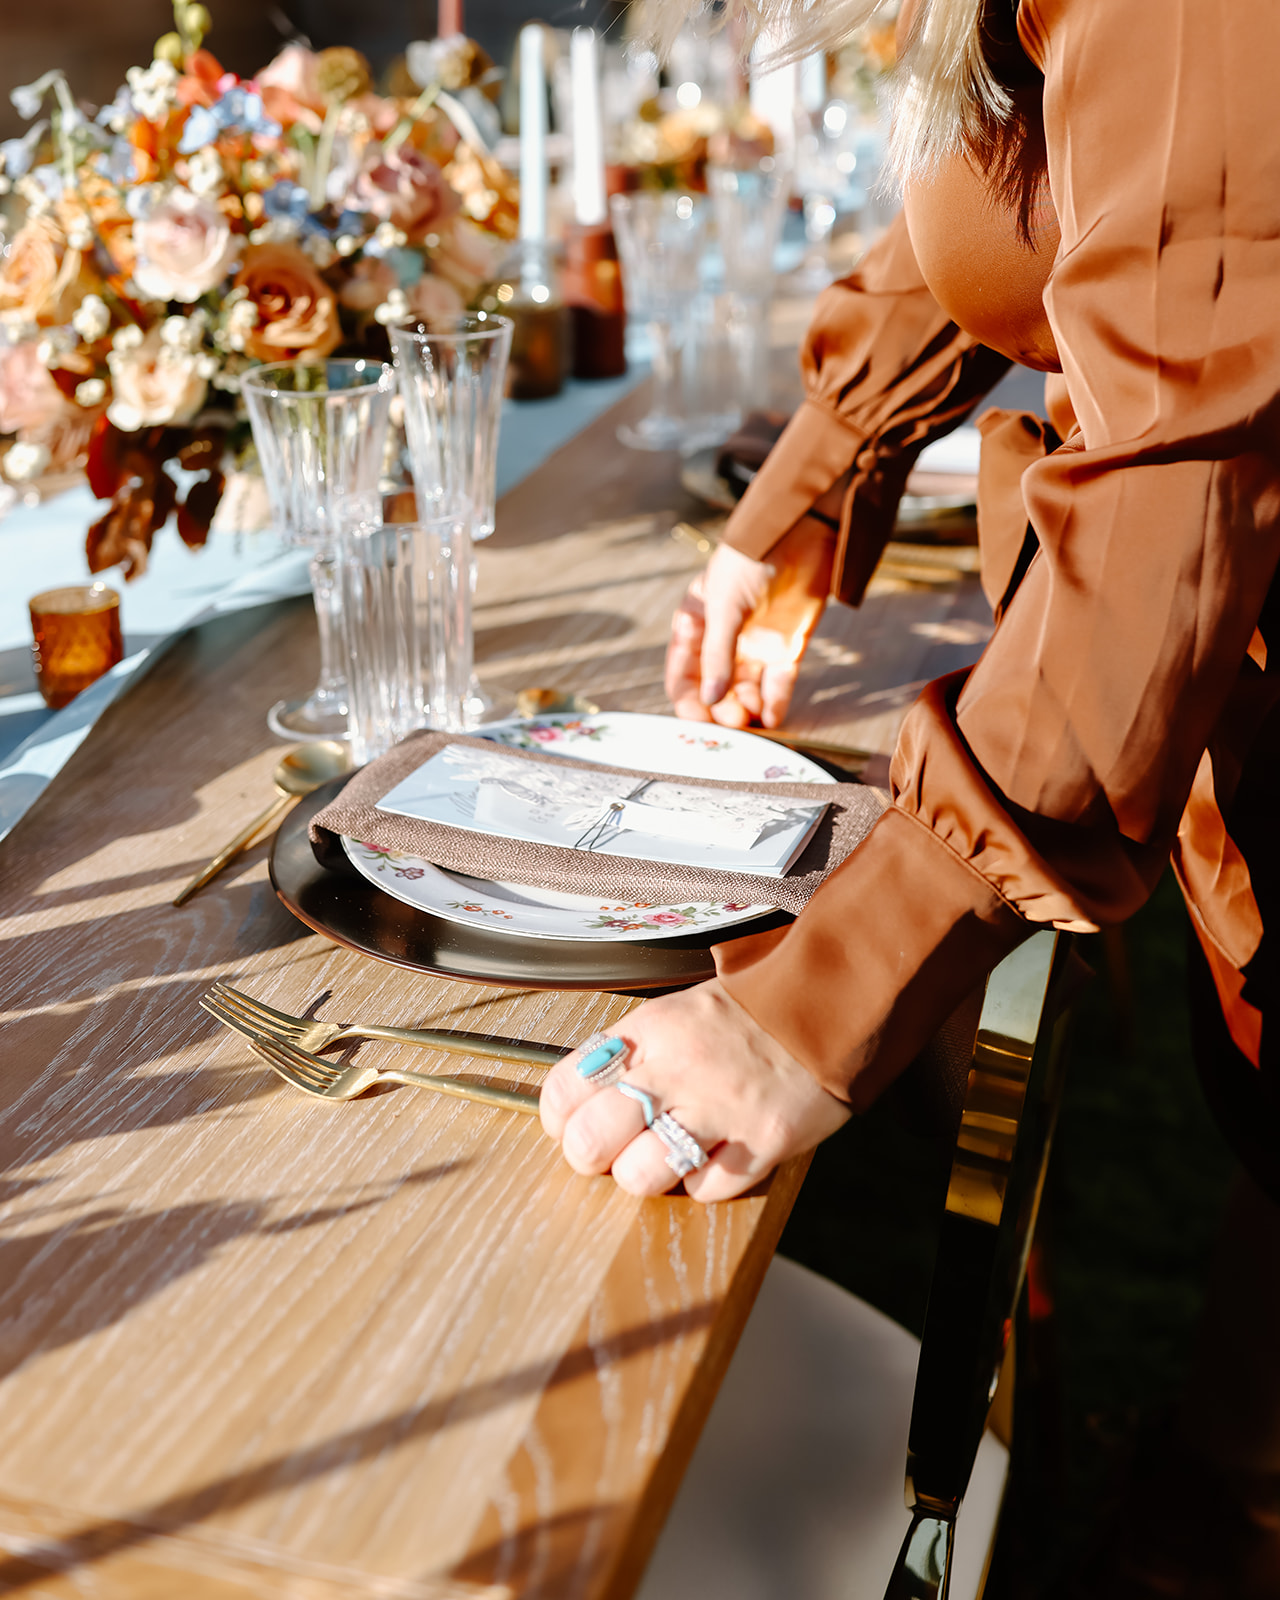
[884, 371]
[1046, 785]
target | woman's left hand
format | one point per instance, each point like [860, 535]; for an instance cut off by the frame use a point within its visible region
[701, 1057]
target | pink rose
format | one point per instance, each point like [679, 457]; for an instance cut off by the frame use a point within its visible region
[290, 89]
[29, 398]
[185, 247]
[668, 919]
[406, 189]
[371, 281]
[432, 299]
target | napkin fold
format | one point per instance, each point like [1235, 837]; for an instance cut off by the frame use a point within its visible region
[852, 810]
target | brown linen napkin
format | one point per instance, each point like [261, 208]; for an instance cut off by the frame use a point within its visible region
[852, 809]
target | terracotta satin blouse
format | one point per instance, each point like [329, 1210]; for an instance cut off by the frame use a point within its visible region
[1126, 706]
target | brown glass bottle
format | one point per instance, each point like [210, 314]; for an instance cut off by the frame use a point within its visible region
[593, 293]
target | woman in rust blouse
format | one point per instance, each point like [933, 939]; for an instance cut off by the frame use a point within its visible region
[1104, 206]
[1092, 189]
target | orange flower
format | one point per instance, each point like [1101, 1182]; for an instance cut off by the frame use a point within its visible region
[297, 314]
[199, 83]
[41, 277]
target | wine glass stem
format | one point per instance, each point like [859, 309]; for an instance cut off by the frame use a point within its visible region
[663, 344]
[324, 588]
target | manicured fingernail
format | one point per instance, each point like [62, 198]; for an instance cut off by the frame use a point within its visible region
[602, 1056]
[644, 1101]
[713, 691]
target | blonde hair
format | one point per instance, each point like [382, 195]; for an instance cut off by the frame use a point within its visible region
[948, 100]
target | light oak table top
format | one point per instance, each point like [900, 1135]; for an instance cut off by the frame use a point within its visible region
[254, 1346]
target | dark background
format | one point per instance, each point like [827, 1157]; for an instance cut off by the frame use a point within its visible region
[95, 41]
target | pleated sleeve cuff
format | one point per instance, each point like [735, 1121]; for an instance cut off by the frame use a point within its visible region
[878, 960]
[815, 449]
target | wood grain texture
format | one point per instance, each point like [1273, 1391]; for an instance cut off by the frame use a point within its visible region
[252, 1344]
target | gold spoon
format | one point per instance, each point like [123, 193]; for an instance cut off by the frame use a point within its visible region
[302, 770]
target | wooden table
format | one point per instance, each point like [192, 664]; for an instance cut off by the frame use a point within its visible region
[254, 1346]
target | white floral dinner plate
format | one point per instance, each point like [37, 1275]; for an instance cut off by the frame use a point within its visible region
[614, 738]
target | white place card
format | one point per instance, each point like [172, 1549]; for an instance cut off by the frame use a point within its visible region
[653, 819]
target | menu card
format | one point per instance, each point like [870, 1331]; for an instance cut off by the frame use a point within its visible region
[646, 819]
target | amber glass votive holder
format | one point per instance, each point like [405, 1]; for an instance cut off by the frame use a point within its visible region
[76, 633]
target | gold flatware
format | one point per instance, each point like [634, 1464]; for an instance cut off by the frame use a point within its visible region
[329, 1081]
[301, 771]
[242, 1011]
[685, 533]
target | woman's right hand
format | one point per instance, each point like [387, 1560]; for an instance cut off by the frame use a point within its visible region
[742, 628]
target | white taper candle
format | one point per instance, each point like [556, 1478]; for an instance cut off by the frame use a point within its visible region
[589, 205]
[533, 136]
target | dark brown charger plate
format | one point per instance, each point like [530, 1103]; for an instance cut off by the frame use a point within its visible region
[353, 912]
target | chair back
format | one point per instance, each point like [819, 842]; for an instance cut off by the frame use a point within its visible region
[1009, 1111]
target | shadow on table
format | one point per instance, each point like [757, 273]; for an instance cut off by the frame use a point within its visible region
[96, 1541]
[518, 638]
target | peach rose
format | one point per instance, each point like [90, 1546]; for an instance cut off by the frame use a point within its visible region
[29, 398]
[290, 89]
[432, 298]
[297, 314]
[185, 247]
[407, 190]
[371, 281]
[468, 257]
[154, 383]
[40, 278]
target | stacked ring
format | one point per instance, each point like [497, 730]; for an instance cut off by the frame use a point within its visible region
[603, 1060]
[684, 1153]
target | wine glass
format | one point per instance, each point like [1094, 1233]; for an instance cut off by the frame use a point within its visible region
[320, 428]
[660, 240]
[826, 158]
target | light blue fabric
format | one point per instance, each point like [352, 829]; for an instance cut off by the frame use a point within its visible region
[42, 547]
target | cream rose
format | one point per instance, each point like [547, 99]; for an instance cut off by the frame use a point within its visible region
[39, 280]
[185, 248]
[297, 314]
[154, 383]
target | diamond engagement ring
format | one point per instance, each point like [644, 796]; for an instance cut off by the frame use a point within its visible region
[684, 1153]
[604, 1059]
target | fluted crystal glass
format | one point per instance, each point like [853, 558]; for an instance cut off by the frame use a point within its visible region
[320, 429]
[452, 373]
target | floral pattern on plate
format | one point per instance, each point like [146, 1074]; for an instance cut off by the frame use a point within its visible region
[620, 739]
[544, 731]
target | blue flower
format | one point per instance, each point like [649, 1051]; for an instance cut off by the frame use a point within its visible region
[285, 199]
[237, 111]
[16, 155]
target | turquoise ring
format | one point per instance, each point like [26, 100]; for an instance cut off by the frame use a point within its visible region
[603, 1059]
[642, 1099]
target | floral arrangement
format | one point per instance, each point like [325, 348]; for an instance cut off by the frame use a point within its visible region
[201, 224]
[671, 149]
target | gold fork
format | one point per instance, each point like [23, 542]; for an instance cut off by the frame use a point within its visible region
[310, 1034]
[329, 1080]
